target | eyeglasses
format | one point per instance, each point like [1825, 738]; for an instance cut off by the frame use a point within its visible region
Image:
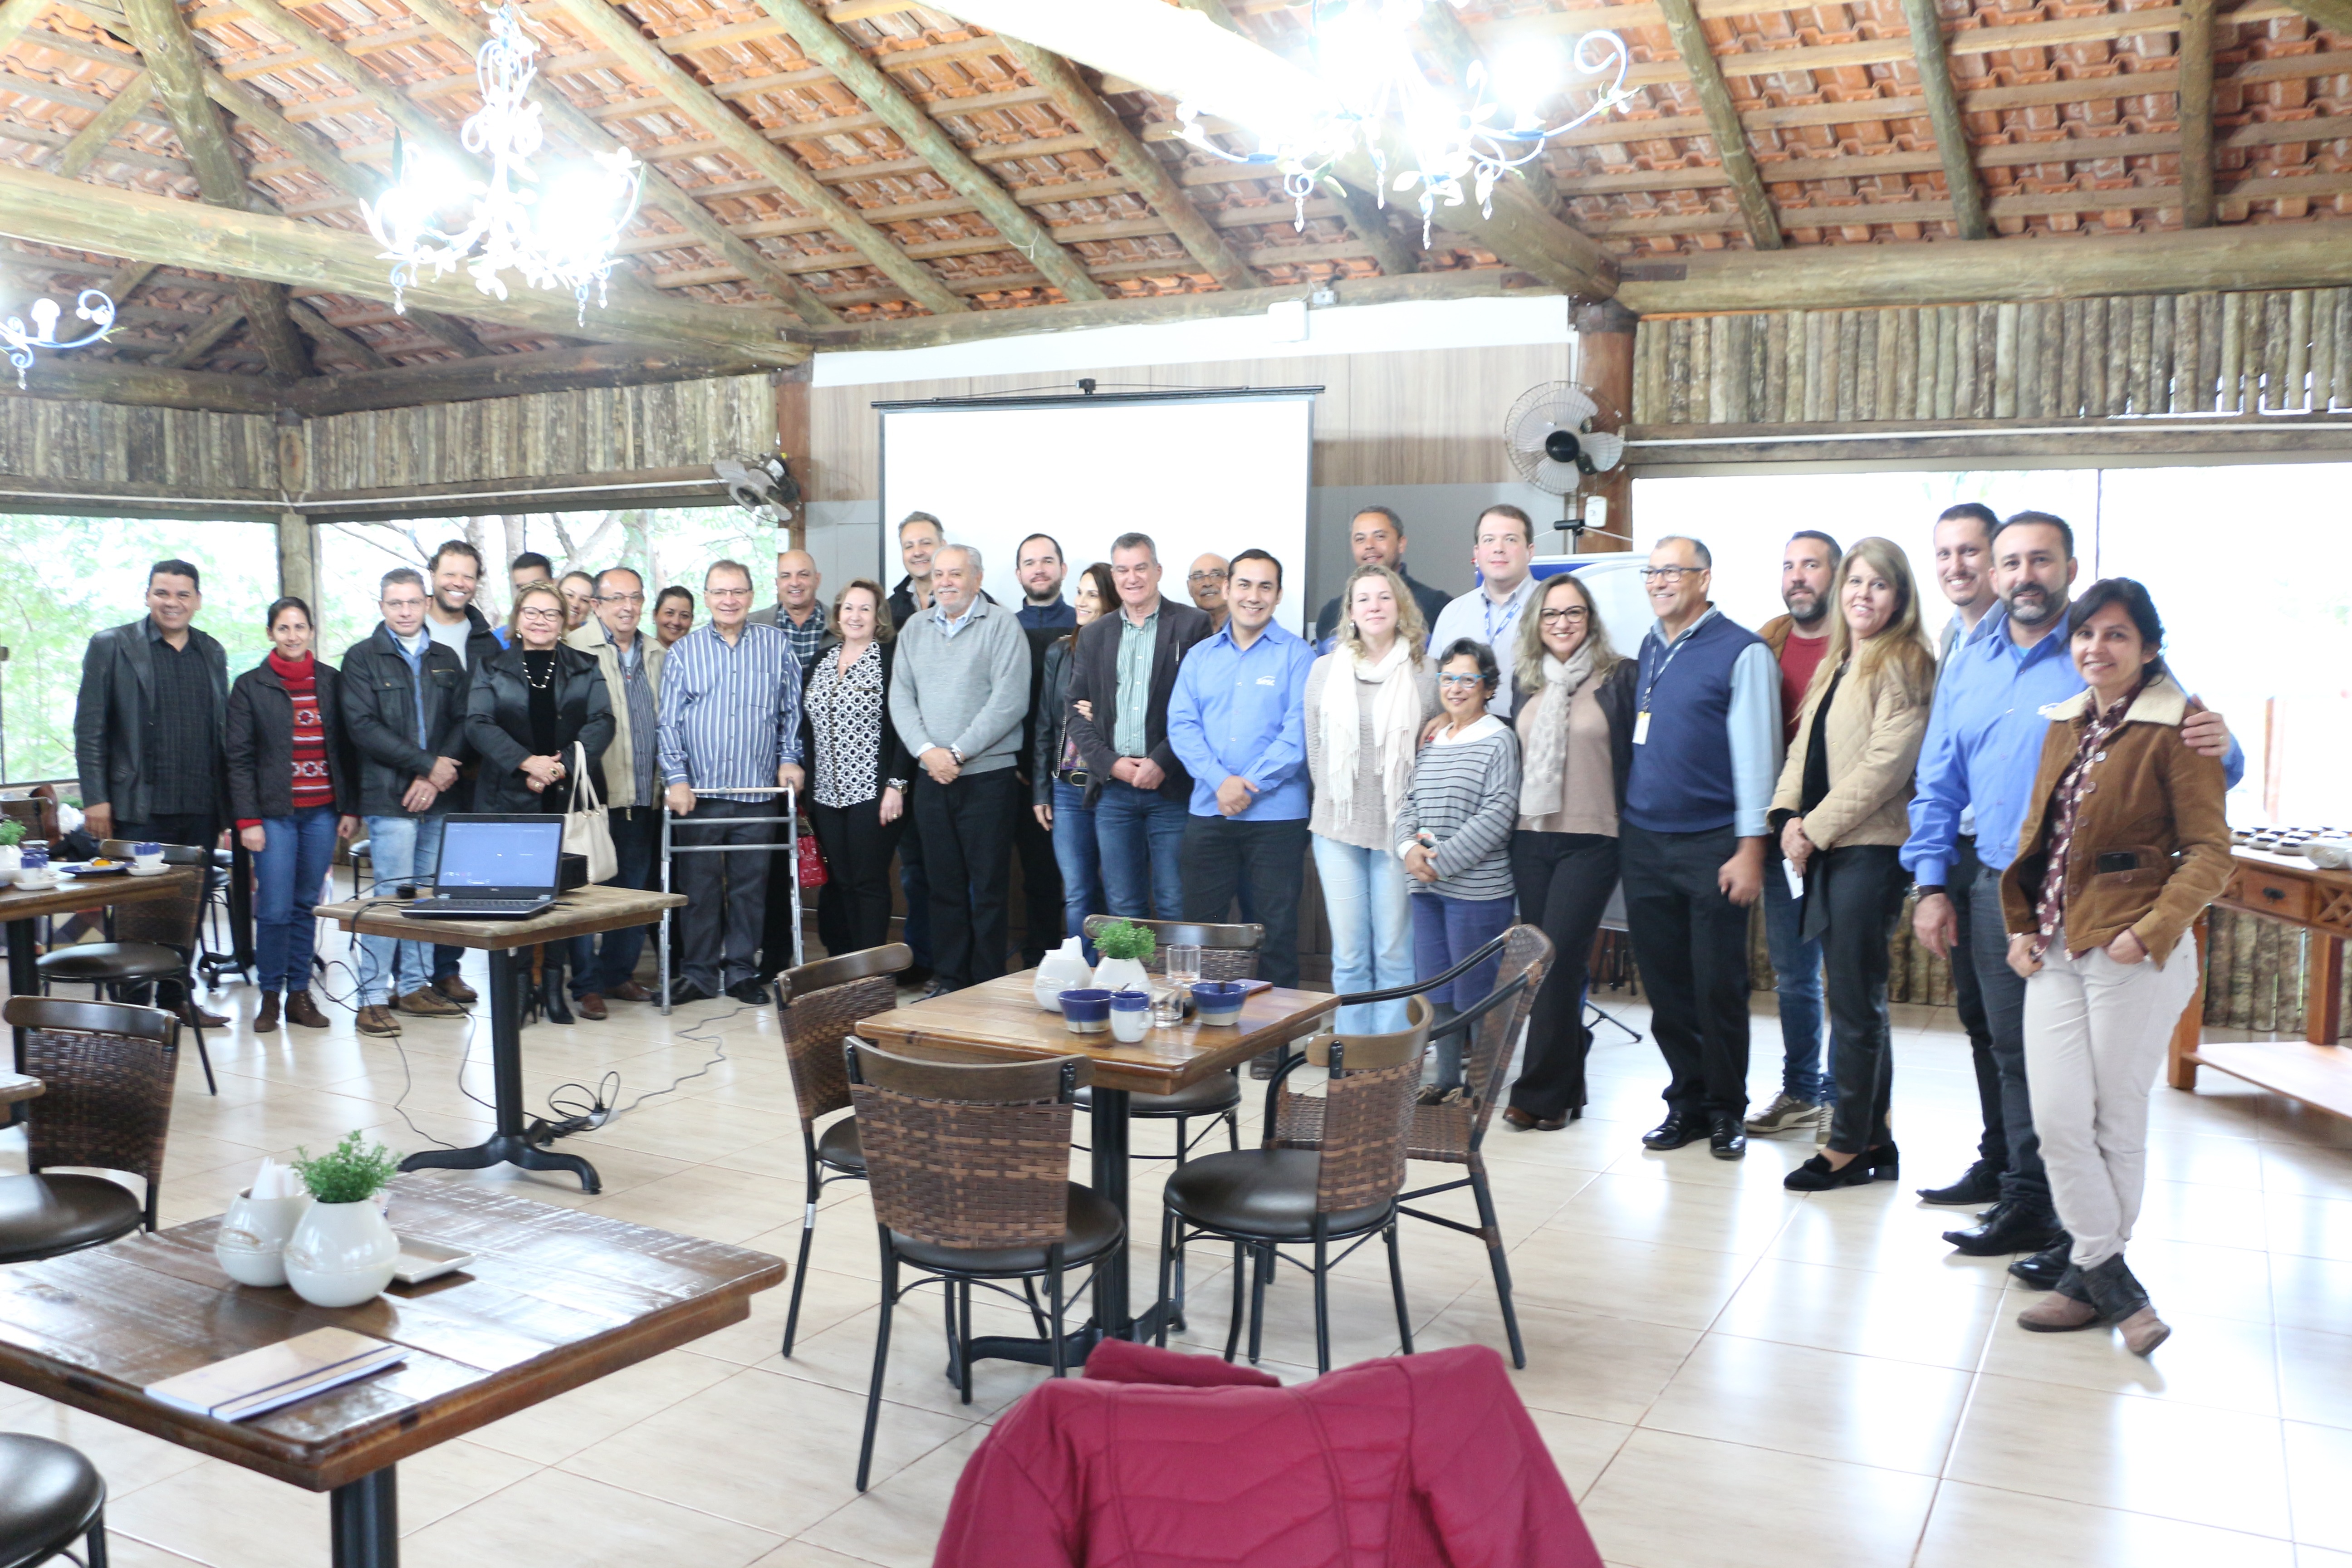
[1574, 617]
[620, 598]
[1206, 577]
[537, 613]
[1461, 681]
[1670, 576]
[727, 592]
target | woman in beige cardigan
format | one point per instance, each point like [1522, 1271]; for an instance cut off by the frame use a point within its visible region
[1842, 810]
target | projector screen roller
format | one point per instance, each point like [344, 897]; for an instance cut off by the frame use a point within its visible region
[1214, 474]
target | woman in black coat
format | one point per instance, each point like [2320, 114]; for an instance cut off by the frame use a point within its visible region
[292, 795]
[529, 706]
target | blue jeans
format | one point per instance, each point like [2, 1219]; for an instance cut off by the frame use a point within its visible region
[1079, 856]
[402, 849]
[287, 871]
[1444, 932]
[1365, 900]
[1141, 834]
[1797, 970]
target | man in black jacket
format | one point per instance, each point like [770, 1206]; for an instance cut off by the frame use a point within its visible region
[458, 625]
[1376, 538]
[148, 725]
[1140, 794]
[404, 710]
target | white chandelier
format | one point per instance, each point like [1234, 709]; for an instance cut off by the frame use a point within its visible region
[559, 234]
[20, 341]
[1363, 54]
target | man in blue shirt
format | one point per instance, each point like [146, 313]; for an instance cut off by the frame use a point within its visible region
[1237, 721]
[1982, 753]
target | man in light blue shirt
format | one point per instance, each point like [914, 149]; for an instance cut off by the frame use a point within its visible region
[1982, 753]
[1237, 721]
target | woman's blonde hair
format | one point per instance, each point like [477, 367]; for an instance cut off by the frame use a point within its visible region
[1903, 640]
[883, 629]
[514, 612]
[1410, 628]
[1528, 674]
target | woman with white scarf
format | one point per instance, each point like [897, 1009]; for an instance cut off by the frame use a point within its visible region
[1576, 745]
[1366, 701]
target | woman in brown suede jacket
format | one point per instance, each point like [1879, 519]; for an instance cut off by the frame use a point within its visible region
[2125, 840]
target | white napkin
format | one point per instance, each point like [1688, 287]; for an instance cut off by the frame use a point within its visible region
[276, 1181]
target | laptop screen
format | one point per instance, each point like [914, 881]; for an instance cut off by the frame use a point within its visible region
[500, 854]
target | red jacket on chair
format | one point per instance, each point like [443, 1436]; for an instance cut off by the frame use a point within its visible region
[1425, 1461]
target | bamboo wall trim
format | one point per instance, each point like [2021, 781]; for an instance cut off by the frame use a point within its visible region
[166, 450]
[2283, 351]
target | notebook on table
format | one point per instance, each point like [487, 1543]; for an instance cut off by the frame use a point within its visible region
[276, 1375]
[494, 868]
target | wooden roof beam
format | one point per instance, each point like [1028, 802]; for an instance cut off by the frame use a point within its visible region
[2335, 15]
[76, 157]
[615, 30]
[325, 333]
[226, 316]
[1681, 17]
[922, 136]
[1944, 115]
[2197, 113]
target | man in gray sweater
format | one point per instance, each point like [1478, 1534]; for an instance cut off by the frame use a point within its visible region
[958, 695]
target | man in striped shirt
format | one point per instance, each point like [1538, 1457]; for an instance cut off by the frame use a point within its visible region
[731, 721]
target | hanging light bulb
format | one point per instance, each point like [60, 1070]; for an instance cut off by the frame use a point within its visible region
[20, 341]
[436, 218]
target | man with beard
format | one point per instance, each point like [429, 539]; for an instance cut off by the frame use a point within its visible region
[459, 626]
[1045, 618]
[1376, 538]
[1797, 639]
[1982, 750]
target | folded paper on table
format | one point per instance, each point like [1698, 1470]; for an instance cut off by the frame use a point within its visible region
[277, 1375]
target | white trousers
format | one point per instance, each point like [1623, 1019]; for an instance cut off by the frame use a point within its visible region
[2095, 1033]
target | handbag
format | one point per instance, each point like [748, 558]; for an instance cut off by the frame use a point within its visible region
[587, 827]
[811, 863]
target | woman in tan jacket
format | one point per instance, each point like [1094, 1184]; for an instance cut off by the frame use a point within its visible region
[2125, 840]
[1841, 813]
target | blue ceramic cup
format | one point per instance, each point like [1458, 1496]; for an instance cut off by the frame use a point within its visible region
[1086, 1011]
[1216, 1001]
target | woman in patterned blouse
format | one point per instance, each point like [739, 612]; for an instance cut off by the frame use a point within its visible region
[857, 790]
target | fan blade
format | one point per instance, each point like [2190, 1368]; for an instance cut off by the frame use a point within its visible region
[1573, 405]
[1605, 450]
[1556, 479]
[733, 472]
[1529, 432]
[750, 497]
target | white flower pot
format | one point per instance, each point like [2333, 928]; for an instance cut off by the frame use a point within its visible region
[12, 860]
[1122, 974]
[341, 1254]
[1064, 969]
[251, 1241]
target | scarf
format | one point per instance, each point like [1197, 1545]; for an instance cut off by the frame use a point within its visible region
[1396, 724]
[1543, 784]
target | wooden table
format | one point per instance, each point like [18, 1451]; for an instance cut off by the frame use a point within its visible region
[20, 906]
[584, 911]
[554, 1299]
[1001, 1019]
[2315, 1070]
[17, 1086]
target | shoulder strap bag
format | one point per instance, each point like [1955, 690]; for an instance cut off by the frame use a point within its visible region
[587, 829]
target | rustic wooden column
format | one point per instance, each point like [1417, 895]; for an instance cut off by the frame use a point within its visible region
[297, 557]
[1604, 332]
[792, 440]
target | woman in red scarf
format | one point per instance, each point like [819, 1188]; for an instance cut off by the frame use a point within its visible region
[289, 783]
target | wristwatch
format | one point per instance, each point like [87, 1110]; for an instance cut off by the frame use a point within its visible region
[1931, 889]
[956, 753]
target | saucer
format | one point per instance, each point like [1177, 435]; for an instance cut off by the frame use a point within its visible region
[148, 870]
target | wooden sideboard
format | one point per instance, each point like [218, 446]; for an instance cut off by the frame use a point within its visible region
[2315, 1069]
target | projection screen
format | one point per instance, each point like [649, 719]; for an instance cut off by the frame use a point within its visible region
[1213, 472]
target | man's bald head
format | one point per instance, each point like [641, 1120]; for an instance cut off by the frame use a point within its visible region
[797, 581]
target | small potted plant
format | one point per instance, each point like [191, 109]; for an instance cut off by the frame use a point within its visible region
[342, 1251]
[12, 851]
[1124, 945]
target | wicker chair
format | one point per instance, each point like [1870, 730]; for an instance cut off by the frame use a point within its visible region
[50, 1496]
[1227, 953]
[821, 1003]
[1453, 1134]
[970, 1165]
[1346, 1189]
[106, 1071]
[153, 941]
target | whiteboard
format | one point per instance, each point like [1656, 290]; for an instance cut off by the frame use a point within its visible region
[1213, 473]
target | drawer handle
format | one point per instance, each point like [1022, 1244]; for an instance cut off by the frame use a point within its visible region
[2276, 894]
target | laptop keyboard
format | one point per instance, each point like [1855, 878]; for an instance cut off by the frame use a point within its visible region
[480, 906]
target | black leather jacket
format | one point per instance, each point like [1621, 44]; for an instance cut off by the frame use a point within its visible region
[1046, 721]
[498, 723]
[378, 701]
[117, 673]
[261, 743]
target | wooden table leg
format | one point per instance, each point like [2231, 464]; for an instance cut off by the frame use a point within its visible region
[365, 1522]
[2180, 1064]
[2323, 1001]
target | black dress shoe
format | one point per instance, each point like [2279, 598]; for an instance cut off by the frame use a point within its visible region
[1675, 1131]
[2015, 1226]
[681, 992]
[2046, 1268]
[751, 992]
[1979, 1185]
[1726, 1136]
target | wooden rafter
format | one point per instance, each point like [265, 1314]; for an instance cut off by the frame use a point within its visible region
[16, 16]
[2197, 114]
[1944, 114]
[270, 319]
[226, 316]
[325, 333]
[1681, 17]
[927, 140]
[379, 95]
[91, 140]
[614, 30]
[1368, 220]
[1153, 181]
[450, 330]
[2335, 15]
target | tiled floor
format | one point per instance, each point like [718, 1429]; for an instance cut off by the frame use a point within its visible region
[1724, 1371]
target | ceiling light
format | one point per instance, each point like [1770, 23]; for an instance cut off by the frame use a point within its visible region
[20, 341]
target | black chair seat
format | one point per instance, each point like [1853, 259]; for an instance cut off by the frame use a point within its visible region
[41, 1216]
[1213, 1096]
[838, 1147]
[1263, 1195]
[93, 963]
[49, 1495]
[1093, 1230]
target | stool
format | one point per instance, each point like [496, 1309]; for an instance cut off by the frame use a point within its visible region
[49, 1496]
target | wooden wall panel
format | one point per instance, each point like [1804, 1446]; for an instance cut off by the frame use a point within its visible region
[158, 451]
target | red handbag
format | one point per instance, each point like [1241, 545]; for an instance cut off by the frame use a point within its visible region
[812, 873]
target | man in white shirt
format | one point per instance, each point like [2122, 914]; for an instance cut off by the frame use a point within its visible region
[1490, 612]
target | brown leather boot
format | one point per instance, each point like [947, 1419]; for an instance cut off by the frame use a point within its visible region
[266, 1020]
[378, 1019]
[300, 1009]
[2057, 1314]
[457, 991]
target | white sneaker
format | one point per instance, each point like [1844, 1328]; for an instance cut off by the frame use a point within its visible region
[1786, 1114]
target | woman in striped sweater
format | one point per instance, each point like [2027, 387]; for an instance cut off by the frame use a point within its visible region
[1453, 835]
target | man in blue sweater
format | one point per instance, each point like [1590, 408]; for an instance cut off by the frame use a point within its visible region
[1707, 752]
[1983, 752]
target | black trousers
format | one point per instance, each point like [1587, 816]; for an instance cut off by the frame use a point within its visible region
[855, 912]
[726, 894]
[1041, 882]
[968, 861]
[2022, 1178]
[1862, 887]
[1223, 855]
[1564, 882]
[1968, 998]
[1691, 943]
[198, 829]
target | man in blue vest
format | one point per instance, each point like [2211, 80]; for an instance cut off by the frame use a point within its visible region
[1707, 752]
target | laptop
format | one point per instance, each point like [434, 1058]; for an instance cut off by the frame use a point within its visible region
[494, 868]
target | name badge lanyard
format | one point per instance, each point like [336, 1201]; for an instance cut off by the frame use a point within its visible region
[1487, 614]
[1641, 718]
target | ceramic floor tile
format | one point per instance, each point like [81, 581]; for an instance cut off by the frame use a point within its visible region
[2310, 1226]
[1580, 1446]
[2317, 1460]
[1681, 1286]
[554, 1517]
[563, 1426]
[2316, 1377]
[1941, 1322]
[1973, 1526]
[2208, 1361]
[129, 1460]
[2309, 1292]
[1898, 1415]
[129, 1552]
[217, 1512]
[1734, 1218]
[895, 1524]
[1652, 1508]
[1578, 1363]
[806, 1555]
